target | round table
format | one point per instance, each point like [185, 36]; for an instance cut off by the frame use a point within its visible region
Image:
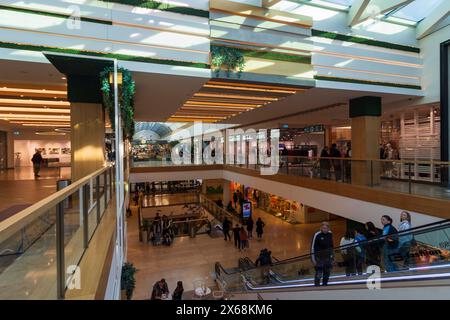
[202, 292]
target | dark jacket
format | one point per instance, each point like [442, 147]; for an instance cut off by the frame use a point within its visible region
[157, 291]
[391, 240]
[37, 158]
[236, 232]
[259, 226]
[249, 225]
[226, 225]
[324, 163]
[322, 247]
[177, 294]
[264, 258]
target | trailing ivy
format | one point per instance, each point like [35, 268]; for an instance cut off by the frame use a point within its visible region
[163, 6]
[126, 99]
[370, 42]
[230, 58]
[273, 55]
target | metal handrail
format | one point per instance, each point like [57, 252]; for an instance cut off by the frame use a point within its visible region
[13, 224]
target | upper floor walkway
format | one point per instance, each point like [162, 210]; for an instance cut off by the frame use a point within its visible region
[332, 189]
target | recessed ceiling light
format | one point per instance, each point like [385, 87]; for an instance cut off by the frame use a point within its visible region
[64, 78]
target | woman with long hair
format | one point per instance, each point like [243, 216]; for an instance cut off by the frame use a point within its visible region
[373, 256]
[405, 241]
[178, 292]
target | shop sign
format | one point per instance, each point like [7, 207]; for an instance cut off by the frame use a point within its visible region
[316, 128]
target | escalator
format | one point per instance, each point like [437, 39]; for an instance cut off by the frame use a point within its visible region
[428, 260]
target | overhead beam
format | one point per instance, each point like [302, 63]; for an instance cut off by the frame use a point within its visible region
[374, 8]
[269, 3]
[440, 13]
[377, 7]
[356, 11]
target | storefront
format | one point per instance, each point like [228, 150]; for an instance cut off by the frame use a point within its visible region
[303, 142]
[412, 135]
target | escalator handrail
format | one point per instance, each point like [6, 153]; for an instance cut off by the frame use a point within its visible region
[361, 243]
[380, 238]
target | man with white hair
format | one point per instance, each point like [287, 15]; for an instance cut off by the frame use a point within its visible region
[322, 254]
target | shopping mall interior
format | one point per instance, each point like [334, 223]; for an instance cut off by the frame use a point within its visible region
[224, 150]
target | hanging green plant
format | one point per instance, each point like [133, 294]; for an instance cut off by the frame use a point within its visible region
[230, 58]
[126, 99]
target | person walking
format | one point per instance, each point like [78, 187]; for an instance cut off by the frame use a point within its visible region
[335, 153]
[324, 163]
[348, 163]
[360, 251]
[37, 160]
[322, 254]
[373, 254]
[226, 226]
[264, 260]
[178, 292]
[348, 254]
[390, 244]
[250, 227]
[260, 228]
[243, 238]
[405, 241]
[237, 236]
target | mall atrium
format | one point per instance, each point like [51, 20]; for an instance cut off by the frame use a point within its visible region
[224, 149]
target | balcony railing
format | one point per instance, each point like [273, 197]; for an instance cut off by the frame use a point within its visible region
[42, 246]
[422, 178]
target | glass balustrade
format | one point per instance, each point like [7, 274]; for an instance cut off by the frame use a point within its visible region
[41, 246]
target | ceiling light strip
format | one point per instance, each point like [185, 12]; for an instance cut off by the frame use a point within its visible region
[35, 110]
[233, 96]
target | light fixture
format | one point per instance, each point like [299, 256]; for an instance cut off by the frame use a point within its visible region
[34, 110]
[119, 78]
[50, 133]
[46, 125]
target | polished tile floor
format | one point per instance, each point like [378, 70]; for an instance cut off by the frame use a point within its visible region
[18, 186]
[189, 259]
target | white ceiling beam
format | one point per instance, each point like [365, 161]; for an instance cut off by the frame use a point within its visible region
[356, 10]
[440, 13]
[269, 3]
[377, 7]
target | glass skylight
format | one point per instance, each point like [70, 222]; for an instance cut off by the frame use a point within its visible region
[416, 10]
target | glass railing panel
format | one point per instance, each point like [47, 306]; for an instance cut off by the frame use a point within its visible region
[28, 260]
[73, 231]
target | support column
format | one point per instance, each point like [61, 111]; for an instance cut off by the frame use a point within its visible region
[311, 215]
[365, 113]
[226, 192]
[87, 137]
[10, 150]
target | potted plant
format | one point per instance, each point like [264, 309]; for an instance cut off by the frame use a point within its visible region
[128, 281]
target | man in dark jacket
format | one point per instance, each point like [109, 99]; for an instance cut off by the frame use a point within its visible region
[37, 160]
[324, 163]
[322, 254]
[335, 153]
[226, 225]
[237, 237]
